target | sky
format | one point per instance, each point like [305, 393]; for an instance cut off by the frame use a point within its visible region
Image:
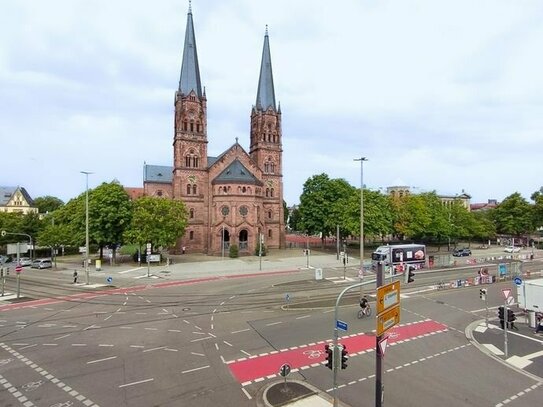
[439, 95]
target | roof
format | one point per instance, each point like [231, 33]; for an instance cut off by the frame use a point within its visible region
[238, 173]
[189, 79]
[7, 192]
[158, 173]
[265, 97]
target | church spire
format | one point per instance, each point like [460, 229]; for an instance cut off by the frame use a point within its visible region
[265, 97]
[190, 71]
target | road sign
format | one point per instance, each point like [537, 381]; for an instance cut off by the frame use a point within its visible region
[388, 296]
[506, 292]
[509, 300]
[341, 325]
[284, 370]
[18, 268]
[383, 345]
[518, 281]
[388, 319]
[109, 280]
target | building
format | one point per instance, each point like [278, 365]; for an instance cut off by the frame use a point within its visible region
[446, 200]
[484, 206]
[16, 200]
[233, 198]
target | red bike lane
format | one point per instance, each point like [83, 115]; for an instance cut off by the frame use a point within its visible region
[267, 365]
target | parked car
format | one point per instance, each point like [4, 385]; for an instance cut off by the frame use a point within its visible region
[461, 252]
[512, 249]
[4, 259]
[42, 264]
[25, 261]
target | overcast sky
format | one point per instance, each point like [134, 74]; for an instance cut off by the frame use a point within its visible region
[439, 95]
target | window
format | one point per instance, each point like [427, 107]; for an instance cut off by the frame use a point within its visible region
[243, 211]
[269, 233]
[191, 235]
[271, 192]
[159, 193]
[191, 126]
[194, 189]
[270, 214]
[185, 125]
[191, 213]
[188, 189]
[225, 210]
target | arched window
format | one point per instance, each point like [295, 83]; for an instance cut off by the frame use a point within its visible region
[220, 190]
[191, 235]
[192, 160]
[267, 192]
[269, 233]
[191, 213]
[188, 189]
[194, 189]
[271, 192]
[191, 126]
[243, 190]
[185, 125]
[270, 214]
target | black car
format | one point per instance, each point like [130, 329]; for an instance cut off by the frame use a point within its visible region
[461, 252]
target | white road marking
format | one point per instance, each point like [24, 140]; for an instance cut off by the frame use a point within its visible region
[174, 330]
[228, 343]
[246, 393]
[79, 344]
[101, 360]
[274, 323]
[128, 271]
[134, 383]
[106, 345]
[197, 354]
[194, 370]
[493, 349]
[303, 316]
[201, 339]
[241, 330]
[152, 349]
[137, 346]
[61, 337]
[106, 318]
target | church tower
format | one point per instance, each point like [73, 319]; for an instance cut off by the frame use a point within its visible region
[266, 140]
[189, 181]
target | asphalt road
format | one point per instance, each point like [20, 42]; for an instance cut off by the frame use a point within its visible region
[159, 342]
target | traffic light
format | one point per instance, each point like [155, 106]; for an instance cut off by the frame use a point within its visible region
[344, 358]
[482, 294]
[329, 357]
[409, 274]
[511, 316]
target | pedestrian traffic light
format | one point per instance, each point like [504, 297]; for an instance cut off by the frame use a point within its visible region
[409, 274]
[482, 294]
[511, 316]
[501, 313]
[344, 358]
[329, 357]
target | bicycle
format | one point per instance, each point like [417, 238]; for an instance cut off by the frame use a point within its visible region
[364, 312]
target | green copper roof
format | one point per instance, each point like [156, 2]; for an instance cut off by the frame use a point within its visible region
[190, 71]
[265, 97]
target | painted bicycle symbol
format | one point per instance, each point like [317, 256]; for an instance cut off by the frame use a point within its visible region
[393, 335]
[313, 353]
[64, 404]
[32, 385]
[5, 361]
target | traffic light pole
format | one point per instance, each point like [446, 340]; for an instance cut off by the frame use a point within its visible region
[336, 333]
[378, 355]
[505, 322]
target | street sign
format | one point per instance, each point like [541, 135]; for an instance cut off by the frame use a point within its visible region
[388, 319]
[388, 296]
[383, 344]
[506, 292]
[342, 325]
[18, 268]
[518, 281]
[109, 280]
[284, 370]
[509, 300]
[502, 269]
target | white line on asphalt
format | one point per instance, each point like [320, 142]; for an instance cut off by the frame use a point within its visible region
[174, 330]
[232, 297]
[201, 339]
[223, 360]
[91, 327]
[274, 323]
[101, 360]
[222, 303]
[215, 310]
[245, 353]
[107, 345]
[106, 318]
[126, 327]
[141, 313]
[241, 330]
[197, 354]
[61, 337]
[228, 343]
[69, 326]
[29, 346]
[246, 393]
[209, 333]
[211, 326]
[186, 322]
[199, 333]
[217, 346]
[193, 370]
[128, 271]
[118, 309]
[152, 349]
[166, 311]
[134, 383]
[20, 344]
[303, 316]
[151, 329]
[137, 346]
[171, 350]
[197, 327]
[50, 344]
[79, 344]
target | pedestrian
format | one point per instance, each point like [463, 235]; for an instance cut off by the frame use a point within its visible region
[183, 249]
[75, 276]
[539, 322]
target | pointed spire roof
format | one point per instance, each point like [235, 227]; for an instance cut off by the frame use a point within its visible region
[265, 96]
[190, 71]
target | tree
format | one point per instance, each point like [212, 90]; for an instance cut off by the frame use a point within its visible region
[156, 220]
[47, 204]
[110, 212]
[295, 219]
[514, 216]
[537, 197]
[54, 235]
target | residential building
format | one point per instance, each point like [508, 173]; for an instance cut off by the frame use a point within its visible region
[16, 200]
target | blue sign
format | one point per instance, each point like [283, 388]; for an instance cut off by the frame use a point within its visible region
[109, 280]
[287, 297]
[518, 281]
[341, 325]
[502, 269]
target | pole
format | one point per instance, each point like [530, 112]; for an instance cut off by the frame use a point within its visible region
[336, 334]
[87, 225]
[505, 347]
[222, 243]
[378, 356]
[260, 238]
[337, 241]
[361, 159]
[344, 259]
[18, 272]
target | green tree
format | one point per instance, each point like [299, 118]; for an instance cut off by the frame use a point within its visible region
[110, 212]
[514, 216]
[537, 197]
[54, 235]
[295, 219]
[47, 204]
[156, 220]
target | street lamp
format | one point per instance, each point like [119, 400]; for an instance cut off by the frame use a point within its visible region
[361, 159]
[86, 224]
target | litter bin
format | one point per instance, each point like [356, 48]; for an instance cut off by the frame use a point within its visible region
[98, 265]
[532, 320]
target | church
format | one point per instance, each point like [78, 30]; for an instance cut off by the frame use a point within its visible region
[237, 197]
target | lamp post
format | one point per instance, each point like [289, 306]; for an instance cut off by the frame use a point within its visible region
[86, 224]
[361, 159]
